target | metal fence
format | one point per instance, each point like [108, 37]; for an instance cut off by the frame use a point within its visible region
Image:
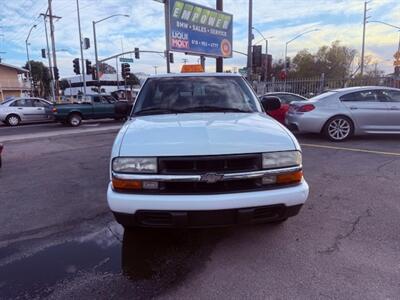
[309, 87]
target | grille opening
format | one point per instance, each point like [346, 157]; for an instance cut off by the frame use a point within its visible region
[215, 163]
[217, 187]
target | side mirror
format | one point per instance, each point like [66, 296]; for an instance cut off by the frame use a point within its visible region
[270, 103]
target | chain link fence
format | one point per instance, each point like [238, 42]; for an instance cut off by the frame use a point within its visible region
[309, 87]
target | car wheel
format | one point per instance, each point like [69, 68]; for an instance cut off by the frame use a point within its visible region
[13, 120]
[75, 120]
[339, 129]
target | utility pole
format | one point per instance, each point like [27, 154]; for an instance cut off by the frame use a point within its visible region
[53, 45]
[363, 38]
[219, 64]
[167, 46]
[80, 44]
[250, 38]
[96, 57]
[53, 93]
[155, 69]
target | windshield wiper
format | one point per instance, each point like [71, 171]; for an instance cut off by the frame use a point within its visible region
[158, 111]
[216, 109]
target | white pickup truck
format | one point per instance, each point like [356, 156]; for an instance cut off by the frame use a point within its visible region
[199, 150]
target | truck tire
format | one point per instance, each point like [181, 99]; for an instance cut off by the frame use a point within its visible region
[74, 119]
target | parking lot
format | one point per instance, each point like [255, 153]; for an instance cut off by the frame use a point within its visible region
[59, 239]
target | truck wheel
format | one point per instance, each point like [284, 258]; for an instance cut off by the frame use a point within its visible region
[74, 120]
[13, 120]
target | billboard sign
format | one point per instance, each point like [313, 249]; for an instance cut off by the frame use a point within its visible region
[196, 29]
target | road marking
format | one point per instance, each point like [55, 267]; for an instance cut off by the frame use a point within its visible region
[28, 136]
[351, 149]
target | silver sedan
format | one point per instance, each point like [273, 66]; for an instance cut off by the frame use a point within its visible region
[338, 114]
[17, 110]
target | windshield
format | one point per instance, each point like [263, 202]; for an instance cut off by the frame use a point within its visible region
[195, 94]
[7, 101]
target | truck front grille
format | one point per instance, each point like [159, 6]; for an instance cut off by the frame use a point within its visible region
[190, 165]
[213, 163]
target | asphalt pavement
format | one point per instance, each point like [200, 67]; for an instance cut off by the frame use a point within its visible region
[59, 240]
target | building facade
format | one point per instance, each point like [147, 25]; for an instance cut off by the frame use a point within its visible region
[12, 82]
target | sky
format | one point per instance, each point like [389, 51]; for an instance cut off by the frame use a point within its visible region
[144, 28]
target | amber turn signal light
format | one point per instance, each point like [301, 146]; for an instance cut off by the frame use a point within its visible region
[126, 184]
[289, 178]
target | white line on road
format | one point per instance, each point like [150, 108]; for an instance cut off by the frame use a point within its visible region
[20, 137]
[351, 149]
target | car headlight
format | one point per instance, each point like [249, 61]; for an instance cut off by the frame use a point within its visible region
[134, 165]
[273, 160]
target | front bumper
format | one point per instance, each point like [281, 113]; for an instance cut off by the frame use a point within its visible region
[131, 203]
[210, 218]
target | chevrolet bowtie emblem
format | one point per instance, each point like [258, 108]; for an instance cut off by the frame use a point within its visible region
[211, 177]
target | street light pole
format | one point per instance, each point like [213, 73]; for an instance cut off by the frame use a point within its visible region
[296, 37]
[95, 45]
[249, 41]
[29, 61]
[363, 38]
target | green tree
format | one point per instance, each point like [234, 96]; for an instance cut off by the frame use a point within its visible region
[106, 68]
[334, 61]
[41, 78]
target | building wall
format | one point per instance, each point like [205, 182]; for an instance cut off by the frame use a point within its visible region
[8, 74]
[10, 85]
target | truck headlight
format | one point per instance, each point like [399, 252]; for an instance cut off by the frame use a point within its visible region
[134, 165]
[274, 160]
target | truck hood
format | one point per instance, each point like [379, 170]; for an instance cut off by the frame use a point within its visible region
[203, 134]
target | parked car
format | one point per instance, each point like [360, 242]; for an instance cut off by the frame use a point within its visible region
[25, 110]
[340, 113]
[286, 99]
[199, 150]
[97, 106]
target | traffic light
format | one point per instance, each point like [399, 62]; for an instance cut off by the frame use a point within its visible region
[77, 69]
[43, 53]
[86, 43]
[125, 70]
[137, 53]
[257, 49]
[171, 57]
[56, 73]
[89, 69]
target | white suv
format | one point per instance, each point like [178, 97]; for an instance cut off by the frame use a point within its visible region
[199, 150]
